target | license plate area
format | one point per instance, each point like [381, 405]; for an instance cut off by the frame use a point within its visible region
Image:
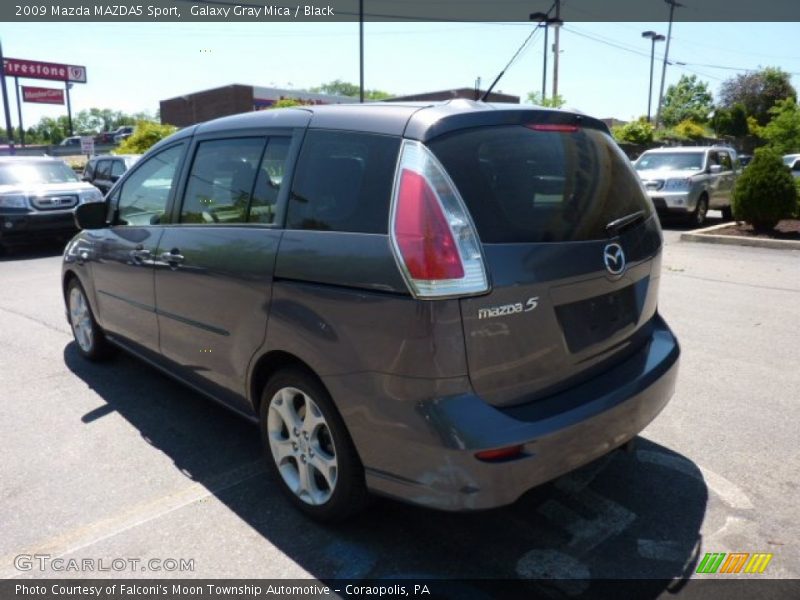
[593, 320]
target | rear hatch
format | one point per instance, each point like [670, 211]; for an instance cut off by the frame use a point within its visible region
[569, 295]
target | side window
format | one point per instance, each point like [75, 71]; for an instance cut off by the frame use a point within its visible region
[268, 181]
[88, 172]
[103, 170]
[343, 182]
[221, 181]
[725, 161]
[144, 195]
[117, 168]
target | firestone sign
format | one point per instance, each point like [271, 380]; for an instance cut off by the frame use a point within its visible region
[42, 95]
[34, 69]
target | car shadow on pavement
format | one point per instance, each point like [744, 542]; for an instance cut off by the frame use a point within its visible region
[629, 515]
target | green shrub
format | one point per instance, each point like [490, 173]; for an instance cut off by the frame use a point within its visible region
[146, 134]
[636, 132]
[689, 129]
[765, 192]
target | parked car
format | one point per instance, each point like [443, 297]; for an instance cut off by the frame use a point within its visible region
[789, 159]
[73, 140]
[688, 181]
[122, 133]
[104, 137]
[37, 196]
[104, 170]
[793, 162]
[744, 159]
[447, 304]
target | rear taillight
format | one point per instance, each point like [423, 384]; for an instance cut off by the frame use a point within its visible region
[434, 241]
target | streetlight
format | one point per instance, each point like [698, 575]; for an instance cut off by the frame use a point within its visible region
[673, 4]
[545, 21]
[653, 37]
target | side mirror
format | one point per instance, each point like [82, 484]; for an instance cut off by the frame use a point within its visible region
[91, 215]
[114, 178]
[715, 169]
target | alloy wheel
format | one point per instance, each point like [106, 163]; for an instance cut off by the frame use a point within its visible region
[81, 319]
[302, 446]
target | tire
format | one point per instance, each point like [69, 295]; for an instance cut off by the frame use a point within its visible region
[309, 449]
[727, 213]
[89, 337]
[699, 217]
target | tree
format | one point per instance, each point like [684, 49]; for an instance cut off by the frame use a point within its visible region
[689, 99]
[731, 121]
[337, 87]
[287, 103]
[782, 133]
[552, 102]
[758, 91]
[146, 134]
[765, 192]
[637, 132]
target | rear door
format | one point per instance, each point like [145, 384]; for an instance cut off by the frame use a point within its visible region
[568, 295]
[214, 267]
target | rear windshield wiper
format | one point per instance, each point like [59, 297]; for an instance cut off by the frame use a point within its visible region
[617, 225]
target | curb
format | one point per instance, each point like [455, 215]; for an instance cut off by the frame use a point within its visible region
[707, 236]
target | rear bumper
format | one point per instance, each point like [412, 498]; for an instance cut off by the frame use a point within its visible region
[423, 451]
[28, 226]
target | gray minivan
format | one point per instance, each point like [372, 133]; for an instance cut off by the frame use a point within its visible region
[443, 303]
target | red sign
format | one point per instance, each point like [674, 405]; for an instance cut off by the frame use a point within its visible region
[17, 67]
[42, 95]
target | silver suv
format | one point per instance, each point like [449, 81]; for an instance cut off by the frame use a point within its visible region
[688, 181]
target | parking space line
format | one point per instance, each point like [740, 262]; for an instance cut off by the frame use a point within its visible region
[139, 514]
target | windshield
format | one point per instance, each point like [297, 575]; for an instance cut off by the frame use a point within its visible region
[670, 161]
[36, 173]
[526, 186]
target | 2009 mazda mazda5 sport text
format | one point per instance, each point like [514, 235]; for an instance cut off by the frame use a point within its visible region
[443, 303]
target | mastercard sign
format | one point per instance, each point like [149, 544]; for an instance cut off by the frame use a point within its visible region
[42, 95]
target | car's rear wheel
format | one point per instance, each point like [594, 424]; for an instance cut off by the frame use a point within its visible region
[89, 338]
[700, 214]
[309, 448]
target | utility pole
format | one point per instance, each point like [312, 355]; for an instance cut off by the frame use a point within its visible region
[673, 4]
[556, 48]
[19, 114]
[361, 50]
[9, 128]
[546, 22]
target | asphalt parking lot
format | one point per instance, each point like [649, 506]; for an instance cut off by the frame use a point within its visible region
[115, 460]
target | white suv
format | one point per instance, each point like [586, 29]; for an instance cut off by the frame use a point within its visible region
[688, 181]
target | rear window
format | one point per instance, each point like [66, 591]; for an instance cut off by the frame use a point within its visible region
[522, 185]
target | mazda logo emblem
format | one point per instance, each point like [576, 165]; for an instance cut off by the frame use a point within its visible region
[614, 258]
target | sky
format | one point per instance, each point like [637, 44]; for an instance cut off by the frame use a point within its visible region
[604, 67]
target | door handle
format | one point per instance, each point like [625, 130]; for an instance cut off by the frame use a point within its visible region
[173, 257]
[140, 254]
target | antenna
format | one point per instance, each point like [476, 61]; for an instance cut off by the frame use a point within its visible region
[513, 58]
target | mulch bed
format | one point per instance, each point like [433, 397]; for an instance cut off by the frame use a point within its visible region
[788, 229]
